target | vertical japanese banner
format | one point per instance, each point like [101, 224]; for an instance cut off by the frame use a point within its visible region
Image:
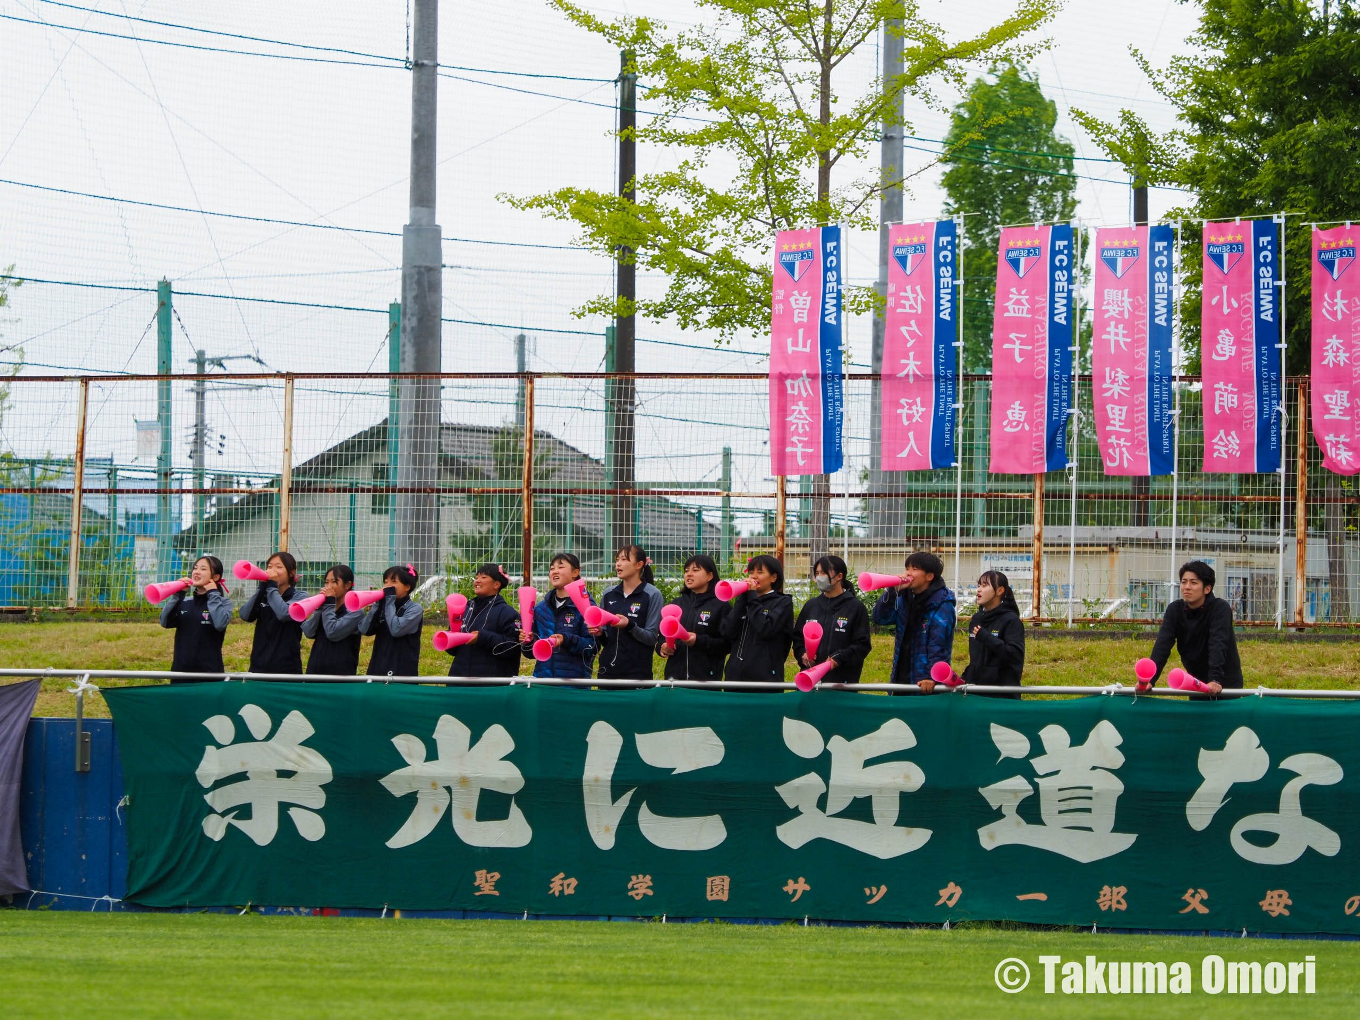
[1032, 350]
[1336, 351]
[1240, 354]
[1131, 350]
[806, 381]
[919, 360]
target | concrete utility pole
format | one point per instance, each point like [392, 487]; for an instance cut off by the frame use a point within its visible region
[417, 512]
[521, 366]
[886, 516]
[621, 398]
[198, 447]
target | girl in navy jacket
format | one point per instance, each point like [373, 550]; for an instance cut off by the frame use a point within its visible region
[626, 645]
[702, 655]
[495, 649]
[199, 616]
[760, 624]
[557, 620]
[277, 644]
[395, 625]
[334, 630]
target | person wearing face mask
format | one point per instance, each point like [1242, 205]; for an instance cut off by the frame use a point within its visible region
[760, 624]
[996, 637]
[701, 655]
[844, 621]
[334, 630]
[277, 644]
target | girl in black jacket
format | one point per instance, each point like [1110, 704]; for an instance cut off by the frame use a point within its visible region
[494, 650]
[760, 624]
[334, 630]
[199, 616]
[395, 623]
[702, 655]
[996, 637]
[844, 620]
[626, 645]
[277, 644]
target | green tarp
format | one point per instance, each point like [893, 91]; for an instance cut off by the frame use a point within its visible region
[1098, 810]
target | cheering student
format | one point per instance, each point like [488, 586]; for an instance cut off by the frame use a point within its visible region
[277, 644]
[557, 620]
[760, 624]
[395, 623]
[701, 655]
[199, 616]
[626, 644]
[844, 621]
[1200, 625]
[996, 637]
[922, 609]
[334, 630]
[493, 626]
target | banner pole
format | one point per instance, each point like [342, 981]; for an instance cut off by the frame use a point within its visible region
[780, 503]
[1037, 554]
[1176, 407]
[1301, 507]
[958, 408]
[1284, 425]
[1075, 415]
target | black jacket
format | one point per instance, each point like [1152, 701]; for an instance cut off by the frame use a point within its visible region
[334, 631]
[702, 615]
[996, 655]
[496, 650]
[1204, 637]
[626, 652]
[845, 634]
[277, 644]
[395, 625]
[761, 631]
[200, 624]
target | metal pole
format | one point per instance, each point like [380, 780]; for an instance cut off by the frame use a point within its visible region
[164, 409]
[422, 303]
[200, 437]
[1074, 454]
[1176, 410]
[393, 430]
[1140, 485]
[611, 432]
[1301, 506]
[286, 471]
[958, 403]
[622, 390]
[521, 366]
[78, 497]
[527, 485]
[82, 735]
[1284, 425]
[780, 512]
[726, 534]
[1037, 554]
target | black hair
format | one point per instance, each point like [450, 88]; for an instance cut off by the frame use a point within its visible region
[832, 565]
[926, 561]
[342, 574]
[704, 562]
[1200, 569]
[405, 573]
[638, 555]
[999, 580]
[566, 557]
[289, 562]
[771, 564]
[494, 572]
[214, 564]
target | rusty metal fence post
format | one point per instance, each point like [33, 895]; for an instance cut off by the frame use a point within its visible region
[286, 470]
[527, 486]
[1301, 507]
[77, 497]
[1036, 610]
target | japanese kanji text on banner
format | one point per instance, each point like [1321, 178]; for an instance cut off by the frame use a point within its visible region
[1131, 352]
[1109, 811]
[1336, 350]
[1241, 360]
[1032, 349]
[806, 378]
[919, 356]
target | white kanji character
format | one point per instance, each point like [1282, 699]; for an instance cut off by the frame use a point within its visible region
[1117, 333]
[907, 332]
[1226, 444]
[1338, 405]
[463, 772]
[680, 750]
[1017, 305]
[1225, 397]
[1225, 302]
[800, 448]
[800, 303]
[1016, 346]
[1116, 383]
[1077, 794]
[1119, 455]
[911, 446]
[799, 419]
[1339, 450]
[800, 345]
[1118, 415]
[883, 784]
[1015, 418]
[1226, 347]
[1334, 306]
[264, 789]
[911, 412]
[912, 300]
[800, 387]
[911, 370]
[1116, 303]
[1333, 352]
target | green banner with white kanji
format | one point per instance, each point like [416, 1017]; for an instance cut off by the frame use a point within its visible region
[1119, 812]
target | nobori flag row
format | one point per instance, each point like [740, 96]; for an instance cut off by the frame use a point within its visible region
[1038, 282]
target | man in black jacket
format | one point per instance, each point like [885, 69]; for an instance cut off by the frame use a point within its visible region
[1201, 628]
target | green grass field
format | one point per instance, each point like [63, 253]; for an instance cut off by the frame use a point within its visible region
[212, 965]
[1079, 660]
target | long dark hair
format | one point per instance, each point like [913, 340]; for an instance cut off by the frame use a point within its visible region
[289, 562]
[342, 573]
[405, 573]
[771, 564]
[214, 564]
[1000, 581]
[704, 562]
[638, 555]
[832, 565]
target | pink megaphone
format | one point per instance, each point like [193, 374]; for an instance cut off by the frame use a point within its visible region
[672, 631]
[873, 582]
[446, 640]
[357, 600]
[597, 617]
[810, 678]
[158, 593]
[456, 605]
[728, 590]
[812, 638]
[247, 571]
[303, 608]
[1144, 669]
[543, 649]
[528, 595]
[576, 591]
[1179, 680]
[671, 610]
[943, 673]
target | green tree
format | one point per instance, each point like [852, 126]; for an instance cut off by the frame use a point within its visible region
[1005, 164]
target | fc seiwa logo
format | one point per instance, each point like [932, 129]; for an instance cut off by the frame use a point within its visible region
[1336, 256]
[1225, 251]
[1022, 255]
[1120, 256]
[909, 252]
[796, 259]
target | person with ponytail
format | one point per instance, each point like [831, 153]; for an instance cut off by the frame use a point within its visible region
[334, 630]
[760, 624]
[493, 627]
[395, 623]
[996, 637]
[844, 621]
[626, 644]
[199, 616]
[277, 644]
[700, 656]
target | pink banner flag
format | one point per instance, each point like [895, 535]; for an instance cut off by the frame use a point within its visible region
[1032, 350]
[1336, 349]
[806, 380]
[1239, 349]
